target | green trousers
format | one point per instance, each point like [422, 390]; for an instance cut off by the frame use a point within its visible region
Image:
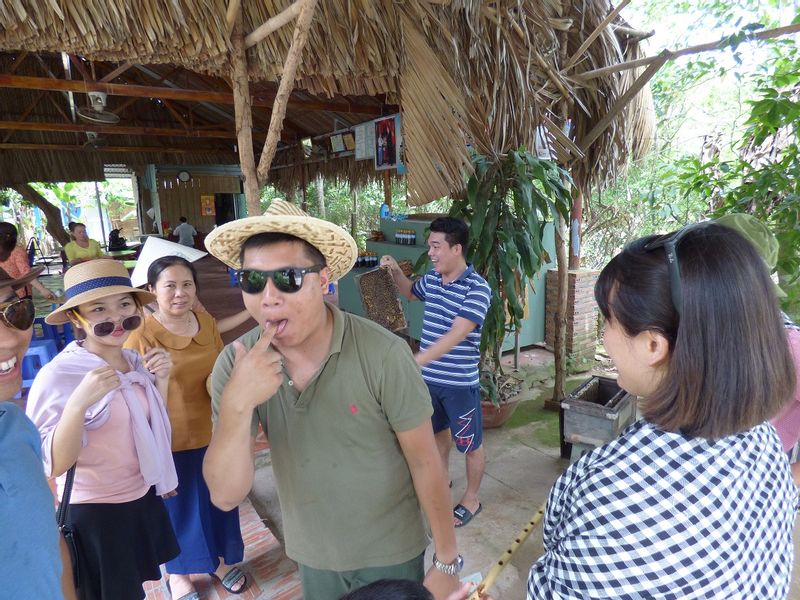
[332, 585]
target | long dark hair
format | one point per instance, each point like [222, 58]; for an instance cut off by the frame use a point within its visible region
[8, 239]
[730, 367]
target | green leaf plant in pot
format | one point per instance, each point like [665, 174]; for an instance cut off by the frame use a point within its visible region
[508, 200]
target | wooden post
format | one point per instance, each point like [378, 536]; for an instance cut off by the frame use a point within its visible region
[304, 203]
[354, 214]
[321, 195]
[387, 189]
[285, 87]
[576, 214]
[244, 117]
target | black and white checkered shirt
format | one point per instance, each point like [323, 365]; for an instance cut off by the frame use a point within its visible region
[660, 515]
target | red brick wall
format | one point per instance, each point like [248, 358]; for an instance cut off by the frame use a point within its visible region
[581, 313]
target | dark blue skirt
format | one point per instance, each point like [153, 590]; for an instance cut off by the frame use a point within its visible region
[204, 532]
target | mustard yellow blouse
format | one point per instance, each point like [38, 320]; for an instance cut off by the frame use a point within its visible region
[188, 402]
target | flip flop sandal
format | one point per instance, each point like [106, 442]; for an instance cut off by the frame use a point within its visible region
[463, 514]
[189, 596]
[230, 579]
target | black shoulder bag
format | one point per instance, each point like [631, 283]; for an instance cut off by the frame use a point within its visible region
[66, 528]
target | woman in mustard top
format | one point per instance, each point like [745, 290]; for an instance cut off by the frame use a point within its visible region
[82, 248]
[210, 539]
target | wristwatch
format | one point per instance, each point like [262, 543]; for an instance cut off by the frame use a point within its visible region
[453, 568]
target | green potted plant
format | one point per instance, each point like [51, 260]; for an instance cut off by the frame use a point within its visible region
[508, 200]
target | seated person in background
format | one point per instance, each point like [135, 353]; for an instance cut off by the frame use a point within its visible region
[14, 261]
[116, 241]
[82, 248]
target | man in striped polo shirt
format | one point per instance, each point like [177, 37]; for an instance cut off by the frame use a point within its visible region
[456, 301]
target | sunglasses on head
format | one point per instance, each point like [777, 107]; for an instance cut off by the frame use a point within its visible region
[18, 314]
[105, 328]
[670, 243]
[288, 280]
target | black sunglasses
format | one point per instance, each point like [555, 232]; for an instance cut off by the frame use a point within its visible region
[670, 243]
[18, 314]
[288, 280]
[105, 328]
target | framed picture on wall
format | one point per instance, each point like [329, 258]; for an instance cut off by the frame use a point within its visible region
[207, 208]
[387, 142]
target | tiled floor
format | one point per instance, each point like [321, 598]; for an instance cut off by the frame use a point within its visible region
[272, 576]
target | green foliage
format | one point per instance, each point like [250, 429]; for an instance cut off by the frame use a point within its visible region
[508, 200]
[763, 178]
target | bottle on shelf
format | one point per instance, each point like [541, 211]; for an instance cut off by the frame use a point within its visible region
[385, 211]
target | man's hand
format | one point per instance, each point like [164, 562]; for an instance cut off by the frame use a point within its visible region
[257, 375]
[389, 261]
[441, 585]
[464, 592]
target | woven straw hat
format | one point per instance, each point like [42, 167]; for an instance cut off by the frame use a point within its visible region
[335, 244]
[7, 280]
[92, 280]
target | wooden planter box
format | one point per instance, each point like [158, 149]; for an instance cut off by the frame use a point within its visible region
[595, 413]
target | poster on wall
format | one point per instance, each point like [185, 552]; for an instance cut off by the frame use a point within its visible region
[207, 208]
[365, 141]
[387, 143]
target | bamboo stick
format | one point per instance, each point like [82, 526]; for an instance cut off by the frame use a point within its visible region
[285, 87]
[673, 54]
[231, 14]
[597, 31]
[273, 24]
[243, 114]
[505, 558]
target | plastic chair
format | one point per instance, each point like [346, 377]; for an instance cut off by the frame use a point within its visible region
[69, 334]
[38, 355]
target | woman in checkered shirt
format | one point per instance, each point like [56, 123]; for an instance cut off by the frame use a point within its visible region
[695, 500]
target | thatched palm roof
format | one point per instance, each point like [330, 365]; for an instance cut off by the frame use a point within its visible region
[461, 71]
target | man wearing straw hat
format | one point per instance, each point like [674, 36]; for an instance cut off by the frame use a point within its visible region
[345, 410]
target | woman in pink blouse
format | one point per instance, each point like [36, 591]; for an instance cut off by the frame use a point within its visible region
[100, 408]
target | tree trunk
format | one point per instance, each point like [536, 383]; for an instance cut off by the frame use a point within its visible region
[52, 213]
[243, 114]
[321, 196]
[560, 315]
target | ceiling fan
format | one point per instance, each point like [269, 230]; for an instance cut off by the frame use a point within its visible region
[93, 141]
[95, 112]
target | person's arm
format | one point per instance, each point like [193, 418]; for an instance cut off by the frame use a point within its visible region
[430, 483]
[43, 290]
[98, 251]
[404, 284]
[230, 323]
[229, 465]
[459, 331]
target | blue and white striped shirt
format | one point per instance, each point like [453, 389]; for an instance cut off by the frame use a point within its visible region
[469, 297]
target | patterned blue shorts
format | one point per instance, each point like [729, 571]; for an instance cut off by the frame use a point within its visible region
[458, 408]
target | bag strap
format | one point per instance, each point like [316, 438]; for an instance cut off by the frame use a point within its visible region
[63, 507]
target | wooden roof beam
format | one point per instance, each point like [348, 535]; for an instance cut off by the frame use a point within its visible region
[121, 149]
[17, 62]
[148, 91]
[273, 23]
[285, 87]
[116, 72]
[120, 130]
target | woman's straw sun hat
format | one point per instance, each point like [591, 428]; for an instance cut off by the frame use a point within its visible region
[335, 244]
[93, 280]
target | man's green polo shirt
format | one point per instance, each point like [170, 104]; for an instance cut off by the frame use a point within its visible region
[344, 486]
